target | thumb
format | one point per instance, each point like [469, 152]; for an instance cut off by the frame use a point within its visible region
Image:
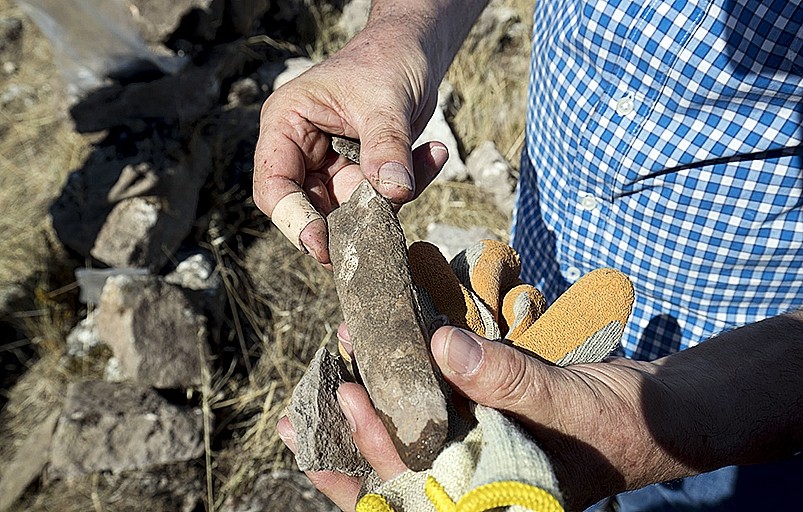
[386, 158]
[493, 374]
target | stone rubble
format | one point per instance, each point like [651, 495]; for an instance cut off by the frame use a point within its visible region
[109, 426]
[154, 330]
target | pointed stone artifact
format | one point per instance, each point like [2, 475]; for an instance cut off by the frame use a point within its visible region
[391, 347]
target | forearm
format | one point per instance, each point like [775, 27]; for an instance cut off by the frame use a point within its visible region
[438, 26]
[735, 399]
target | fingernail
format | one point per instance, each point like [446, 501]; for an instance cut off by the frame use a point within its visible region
[463, 353]
[436, 151]
[347, 346]
[287, 433]
[310, 240]
[345, 406]
[393, 175]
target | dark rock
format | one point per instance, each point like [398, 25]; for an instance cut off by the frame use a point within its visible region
[323, 435]
[154, 331]
[374, 284]
[115, 427]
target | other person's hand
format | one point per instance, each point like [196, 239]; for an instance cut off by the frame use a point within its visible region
[587, 417]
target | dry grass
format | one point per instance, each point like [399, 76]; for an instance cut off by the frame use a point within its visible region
[493, 100]
[283, 306]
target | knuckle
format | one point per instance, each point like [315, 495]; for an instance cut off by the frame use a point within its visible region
[514, 385]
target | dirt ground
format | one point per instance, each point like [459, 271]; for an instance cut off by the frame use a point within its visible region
[282, 305]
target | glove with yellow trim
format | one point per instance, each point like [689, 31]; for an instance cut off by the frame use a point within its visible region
[497, 465]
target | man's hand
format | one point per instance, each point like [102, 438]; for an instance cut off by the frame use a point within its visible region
[381, 94]
[621, 424]
[570, 411]
[381, 89]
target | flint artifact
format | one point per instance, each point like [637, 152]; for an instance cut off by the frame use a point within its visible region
[372, 275]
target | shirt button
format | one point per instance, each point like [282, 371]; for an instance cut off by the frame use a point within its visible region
[625, 105]
[588, 203]
[572, 273]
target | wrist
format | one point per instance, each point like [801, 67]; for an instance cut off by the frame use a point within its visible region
[437, 28]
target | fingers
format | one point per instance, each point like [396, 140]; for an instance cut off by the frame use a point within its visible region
[341, 489]
[280, 165]
[428, 160]
[371, 438]
[494, 374]
[368, 431]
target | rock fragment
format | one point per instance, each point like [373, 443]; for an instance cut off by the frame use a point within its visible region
[374, 284]
[154, 331]
[107, 426]
[491, 172]
[452, 239]
[323, 439]
[27, 464]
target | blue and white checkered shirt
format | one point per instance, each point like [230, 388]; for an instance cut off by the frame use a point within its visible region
[664, 139]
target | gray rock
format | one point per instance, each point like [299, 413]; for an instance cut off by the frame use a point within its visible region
[374, 284]
[154, 330]
[452, 239]
[491, 172]
[27, 463]
[107, 426]
[280, 491]
[137, 231]
[196, 272]
[276, 74]
[323, 439]
[354, 17]
[132, 211]
[83, 337]
[91, 280]
[197, 275]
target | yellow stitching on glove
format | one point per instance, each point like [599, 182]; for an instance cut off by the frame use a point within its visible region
[438, 496]
[505, 494]
[590, 304]
[373, 503]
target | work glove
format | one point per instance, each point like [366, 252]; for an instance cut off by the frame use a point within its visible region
[496, 464]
